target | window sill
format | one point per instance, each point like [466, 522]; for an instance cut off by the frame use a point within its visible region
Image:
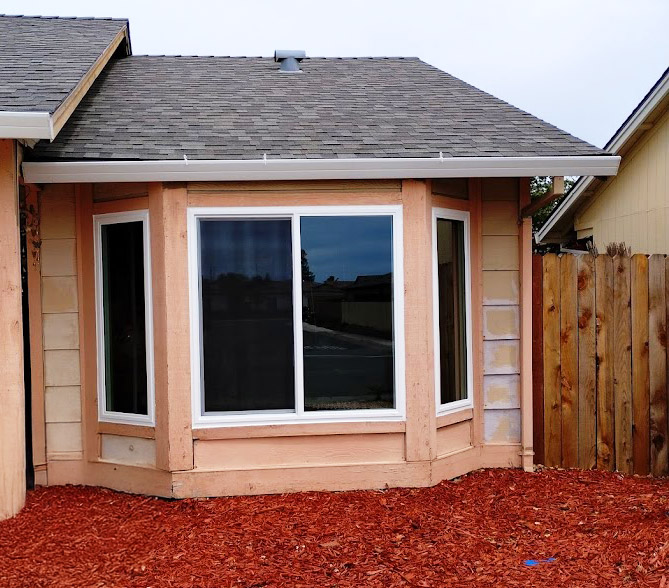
[465, 414]
[298, 430]
[126, 430]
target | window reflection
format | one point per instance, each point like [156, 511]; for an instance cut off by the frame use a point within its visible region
[125, 374]
[347, 312]
[451, 289]
[247, 314]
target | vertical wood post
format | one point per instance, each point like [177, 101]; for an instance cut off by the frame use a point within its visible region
[640, 376]
[552, 374]
[622, 366]
[169, 251]
[12, 402]
[420, 395]
[569, 361]
[605, 359]
[657, 358]
[538, 360]
[587, 407]
[525, 257]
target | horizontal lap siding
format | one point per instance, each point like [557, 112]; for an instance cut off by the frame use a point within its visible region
[60, 322]
[501, 310]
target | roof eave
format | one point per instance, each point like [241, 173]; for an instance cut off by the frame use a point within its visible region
[619, 143]
[26, 125]
[311, 169]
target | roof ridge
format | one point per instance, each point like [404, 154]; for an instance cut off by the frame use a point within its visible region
[41, 17]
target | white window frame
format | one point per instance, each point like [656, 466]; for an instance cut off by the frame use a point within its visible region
[299, 415]
[463, 216]
[105, 415]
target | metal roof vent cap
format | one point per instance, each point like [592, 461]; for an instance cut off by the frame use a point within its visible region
[289, 61]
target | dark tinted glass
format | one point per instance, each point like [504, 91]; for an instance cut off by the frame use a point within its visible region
[247, 314]
[347, 312]
[452, 332]
[124, 317]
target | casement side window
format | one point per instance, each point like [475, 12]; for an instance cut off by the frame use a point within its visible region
[296, 314]
[452, 309]
[124, 318]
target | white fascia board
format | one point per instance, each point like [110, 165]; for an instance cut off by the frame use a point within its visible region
[26, 125]
[632, 124]
[316, 169]
[581, 186]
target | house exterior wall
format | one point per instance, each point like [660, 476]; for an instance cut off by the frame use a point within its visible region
[501, 310]
[172, 459]
[57, 264]
[634, 205]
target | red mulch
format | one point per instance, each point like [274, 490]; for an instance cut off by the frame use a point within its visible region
[602, 529]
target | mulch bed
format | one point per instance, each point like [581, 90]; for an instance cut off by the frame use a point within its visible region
[602, 529]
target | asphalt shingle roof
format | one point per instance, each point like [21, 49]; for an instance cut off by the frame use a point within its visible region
[157, 107]
[43, 59]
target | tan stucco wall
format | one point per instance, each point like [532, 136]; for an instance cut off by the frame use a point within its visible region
[634, 206]
[501, 311]
[60, 324]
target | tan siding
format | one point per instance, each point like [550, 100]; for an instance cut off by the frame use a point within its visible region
[60, 317]
[634, 206]
[501, 311]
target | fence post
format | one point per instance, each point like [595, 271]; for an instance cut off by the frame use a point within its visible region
[587, 403]
[657, 363]
[551, 343]
[537, 360]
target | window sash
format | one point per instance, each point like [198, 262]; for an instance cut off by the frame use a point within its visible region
[105, 415]
[462, 216]
[209, 419]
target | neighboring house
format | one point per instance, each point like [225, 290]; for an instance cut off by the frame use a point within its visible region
[245, 280]
[632, 207]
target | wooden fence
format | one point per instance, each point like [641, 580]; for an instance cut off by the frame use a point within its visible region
[600, 362]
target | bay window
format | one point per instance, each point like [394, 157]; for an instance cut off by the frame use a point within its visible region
[124, 318]
[296, 314]
[452, 309]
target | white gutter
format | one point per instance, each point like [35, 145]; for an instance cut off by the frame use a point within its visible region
[316, 169]
[26, 125]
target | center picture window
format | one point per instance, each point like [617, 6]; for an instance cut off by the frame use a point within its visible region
[297, 315]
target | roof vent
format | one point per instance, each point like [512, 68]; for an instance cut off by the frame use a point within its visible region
[289, 61]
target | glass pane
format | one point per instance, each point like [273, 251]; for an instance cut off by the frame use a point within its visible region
[452, 332]
[247, 315]
[124, 317]
[347, 312]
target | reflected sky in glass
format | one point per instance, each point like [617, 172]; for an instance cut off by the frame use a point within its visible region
[251, 248]
[342, 246]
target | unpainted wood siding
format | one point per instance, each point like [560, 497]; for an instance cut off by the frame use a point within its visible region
[60, 319]
[634, 206]
[501, 310]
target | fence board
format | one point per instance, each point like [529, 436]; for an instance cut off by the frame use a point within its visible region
[622, 372]
[569, 360]
[657, 361]
[605, 360]
[640, 378]
[551, 345]
[587, 411]
[537, 360]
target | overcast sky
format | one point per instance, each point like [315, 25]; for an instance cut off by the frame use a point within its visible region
[582, 65]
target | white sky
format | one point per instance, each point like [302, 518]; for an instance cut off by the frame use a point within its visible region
[582, 65]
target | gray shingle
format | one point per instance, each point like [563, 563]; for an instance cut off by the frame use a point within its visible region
[43, 59]
[157, 107]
